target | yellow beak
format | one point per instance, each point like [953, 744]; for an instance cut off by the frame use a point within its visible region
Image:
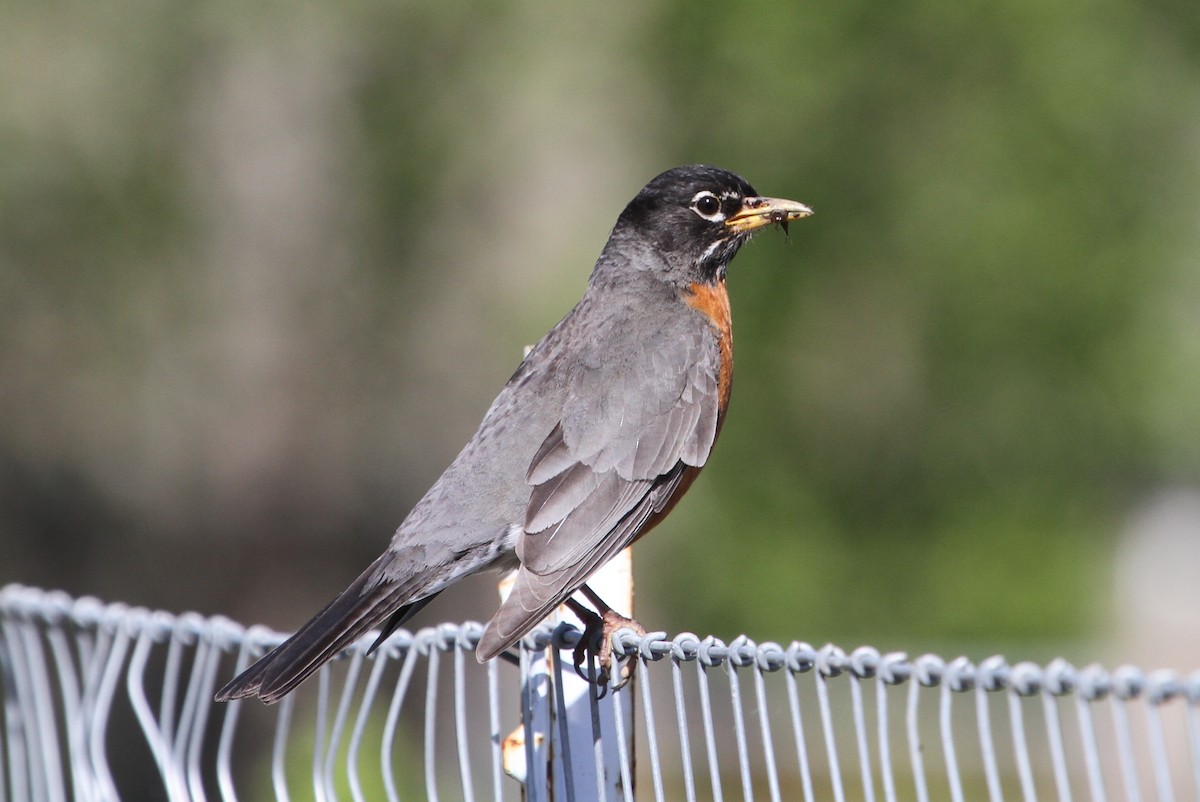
[758, 212]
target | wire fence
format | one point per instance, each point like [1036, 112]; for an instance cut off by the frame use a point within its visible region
[107, 701]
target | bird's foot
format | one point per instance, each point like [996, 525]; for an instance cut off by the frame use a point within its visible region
[603, 626]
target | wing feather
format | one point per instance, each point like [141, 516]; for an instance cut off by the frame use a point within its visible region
[600, 512]
[628, 433]
[553, 500]
[551, 459]
[535, 595]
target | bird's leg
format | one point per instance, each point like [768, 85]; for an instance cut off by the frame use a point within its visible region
[603, 623]
[592, 625]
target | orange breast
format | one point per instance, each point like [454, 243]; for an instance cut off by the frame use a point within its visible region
[713, 301]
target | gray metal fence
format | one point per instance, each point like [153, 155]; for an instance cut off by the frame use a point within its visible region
[107, 701]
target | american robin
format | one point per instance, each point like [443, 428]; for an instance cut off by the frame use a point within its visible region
[591, 443]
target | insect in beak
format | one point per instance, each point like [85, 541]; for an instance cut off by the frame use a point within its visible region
[780, 218]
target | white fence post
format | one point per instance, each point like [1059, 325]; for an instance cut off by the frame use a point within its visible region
[542, 702]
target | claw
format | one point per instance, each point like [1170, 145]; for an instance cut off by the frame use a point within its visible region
[580, 657]
[601, 627]
[593, 631]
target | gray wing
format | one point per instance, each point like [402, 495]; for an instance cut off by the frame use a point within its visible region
[629, 432]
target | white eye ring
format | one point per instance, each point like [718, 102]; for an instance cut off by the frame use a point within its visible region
[708, 206]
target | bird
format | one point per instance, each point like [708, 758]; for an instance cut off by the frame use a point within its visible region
[599, 432]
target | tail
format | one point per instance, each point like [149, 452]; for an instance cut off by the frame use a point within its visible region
[533, 597]
[363, 605]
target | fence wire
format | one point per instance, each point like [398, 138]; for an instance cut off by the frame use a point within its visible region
[106, 701]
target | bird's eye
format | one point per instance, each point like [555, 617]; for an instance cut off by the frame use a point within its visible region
[707, 205]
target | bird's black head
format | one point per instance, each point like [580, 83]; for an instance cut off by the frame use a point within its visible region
[696, 217]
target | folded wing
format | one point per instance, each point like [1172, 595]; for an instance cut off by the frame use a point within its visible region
[631, 436]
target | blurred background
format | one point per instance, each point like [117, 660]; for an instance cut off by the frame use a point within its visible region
[263, 267]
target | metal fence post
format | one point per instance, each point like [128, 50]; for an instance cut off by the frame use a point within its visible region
[555, 753]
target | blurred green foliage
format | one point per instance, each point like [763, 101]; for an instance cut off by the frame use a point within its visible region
[262, 267]
[950, 390]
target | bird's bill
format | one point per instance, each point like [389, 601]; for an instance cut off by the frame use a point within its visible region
[758, 212]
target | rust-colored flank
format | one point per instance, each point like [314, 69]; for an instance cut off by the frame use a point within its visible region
[713, 301]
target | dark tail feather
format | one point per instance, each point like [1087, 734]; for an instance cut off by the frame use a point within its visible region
[344, 620]
[399, 617]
